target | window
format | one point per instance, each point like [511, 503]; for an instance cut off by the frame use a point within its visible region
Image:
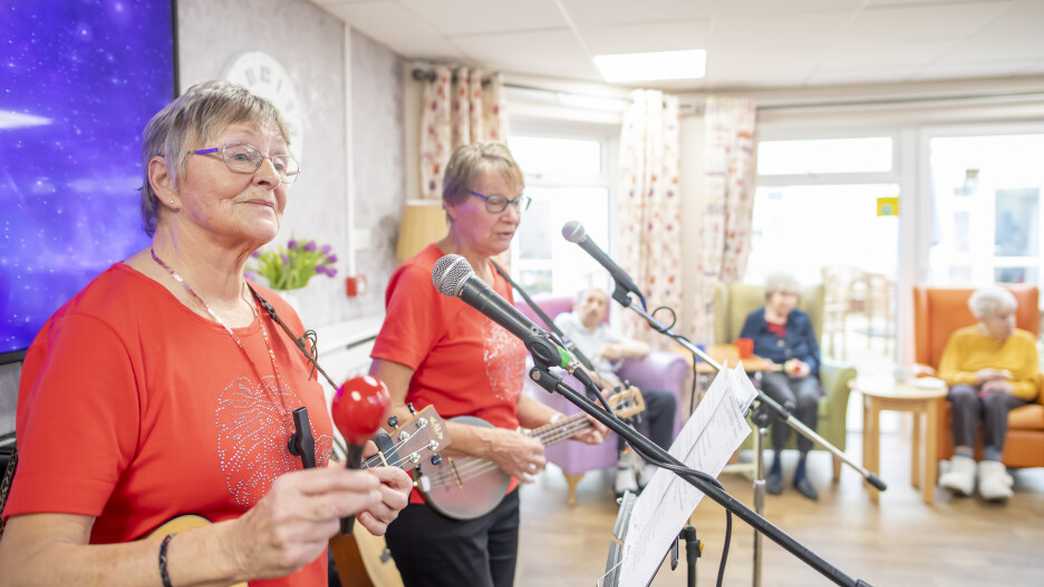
[819, 156]
[819, 205]
[825, 212]
[801, 229]
[567, 176]
[986, 209]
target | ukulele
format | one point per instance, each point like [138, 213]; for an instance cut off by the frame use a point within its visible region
[469, 487]
[362, 561]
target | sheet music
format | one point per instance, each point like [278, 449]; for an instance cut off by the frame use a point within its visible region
[710, 437]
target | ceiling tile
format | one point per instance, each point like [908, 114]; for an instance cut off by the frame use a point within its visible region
[603, 13]
[752, 67]
[920, 24]
[821, 30]
[553, 53]
[758, 9]
[397, 27]
[1017, 34]
[898, 54]
[639, 38]
[462, 17]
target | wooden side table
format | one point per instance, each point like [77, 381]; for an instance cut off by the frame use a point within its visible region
[880, 395]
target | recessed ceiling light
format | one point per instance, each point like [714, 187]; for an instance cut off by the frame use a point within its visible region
[660, 65]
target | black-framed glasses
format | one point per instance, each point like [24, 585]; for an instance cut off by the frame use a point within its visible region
[496, 204]
[244, 158]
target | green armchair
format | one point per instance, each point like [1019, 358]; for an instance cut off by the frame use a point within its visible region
[732, 304]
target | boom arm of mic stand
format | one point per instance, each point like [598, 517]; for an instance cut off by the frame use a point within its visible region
[657, 455]
[784, 415]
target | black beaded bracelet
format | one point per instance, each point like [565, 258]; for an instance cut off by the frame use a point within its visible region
[164, 575]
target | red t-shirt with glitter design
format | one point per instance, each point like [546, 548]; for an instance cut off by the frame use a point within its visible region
[464, 363]
[133, 409]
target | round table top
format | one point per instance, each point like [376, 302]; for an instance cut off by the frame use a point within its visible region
[888, 388]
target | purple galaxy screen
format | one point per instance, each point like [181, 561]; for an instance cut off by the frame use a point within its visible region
[78, 81]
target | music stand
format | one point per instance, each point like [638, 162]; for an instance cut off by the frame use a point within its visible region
[611, 578]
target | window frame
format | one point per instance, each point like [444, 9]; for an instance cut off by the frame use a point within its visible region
[925, 219]
[607, 135]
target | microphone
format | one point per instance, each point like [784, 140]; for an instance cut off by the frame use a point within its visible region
[357, 409]
[574, 232]
[453, 276]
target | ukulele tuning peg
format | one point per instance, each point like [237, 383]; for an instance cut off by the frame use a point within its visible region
[436, 460]
[393, 422]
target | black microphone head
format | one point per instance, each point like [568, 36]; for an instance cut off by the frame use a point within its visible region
[450, 273]
[574, 232]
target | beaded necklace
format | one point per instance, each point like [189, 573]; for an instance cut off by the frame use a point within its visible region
[216, 318]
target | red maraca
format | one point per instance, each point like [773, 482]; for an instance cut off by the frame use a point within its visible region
[358, 408]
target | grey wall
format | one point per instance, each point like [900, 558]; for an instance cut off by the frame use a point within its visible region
[310, 45]
[378, 145]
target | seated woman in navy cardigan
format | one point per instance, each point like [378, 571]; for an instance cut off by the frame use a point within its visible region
[784, 334]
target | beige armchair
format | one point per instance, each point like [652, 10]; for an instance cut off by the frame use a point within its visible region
[732, 304]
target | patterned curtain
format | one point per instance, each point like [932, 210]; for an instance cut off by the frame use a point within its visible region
[649, 206]
[459, 109]
[727, 204]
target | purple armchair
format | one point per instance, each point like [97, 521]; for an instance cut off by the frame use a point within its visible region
[659, 370]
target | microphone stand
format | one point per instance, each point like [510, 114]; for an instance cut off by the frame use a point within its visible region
[760, 418]
[546, 355]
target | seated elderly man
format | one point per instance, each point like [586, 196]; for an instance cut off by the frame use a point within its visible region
[991, 368]
[587, 328]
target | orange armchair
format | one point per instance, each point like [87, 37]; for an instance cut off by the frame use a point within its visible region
[937, 313]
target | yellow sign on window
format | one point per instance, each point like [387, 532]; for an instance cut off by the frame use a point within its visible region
[887, 206]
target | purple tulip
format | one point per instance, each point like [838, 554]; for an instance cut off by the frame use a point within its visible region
[286, 259]
[331, 259]
[309, 246]
[256, 254]
[331, 271]
[326, 249]
[291, 244]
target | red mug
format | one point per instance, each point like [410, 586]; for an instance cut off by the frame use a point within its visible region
[745, 346]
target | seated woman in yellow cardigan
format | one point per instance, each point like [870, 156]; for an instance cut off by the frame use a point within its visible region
[991, 368]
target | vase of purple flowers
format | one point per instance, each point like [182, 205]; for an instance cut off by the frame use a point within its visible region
[291, 267]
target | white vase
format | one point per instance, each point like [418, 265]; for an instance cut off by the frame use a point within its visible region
[291, 299]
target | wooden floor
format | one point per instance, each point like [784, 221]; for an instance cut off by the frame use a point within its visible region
[899, 542]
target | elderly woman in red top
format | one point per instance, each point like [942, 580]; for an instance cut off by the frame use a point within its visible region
[435, 349]
[163, 389]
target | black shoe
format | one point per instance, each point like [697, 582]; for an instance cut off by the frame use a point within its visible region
[774, 482]
[804, 487]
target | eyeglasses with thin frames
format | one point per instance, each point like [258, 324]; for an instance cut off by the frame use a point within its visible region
[495, 204]
[244, 158]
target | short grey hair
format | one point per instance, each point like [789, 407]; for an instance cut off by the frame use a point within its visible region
[781, 283]
[986, 302]
[194, 117]
[470, 161]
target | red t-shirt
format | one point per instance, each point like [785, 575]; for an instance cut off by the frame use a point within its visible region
[464, 363]
[133, 409]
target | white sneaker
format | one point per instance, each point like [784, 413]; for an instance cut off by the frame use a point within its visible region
[960, 479]
[645, 474]
[625, 481]
[993, 481]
